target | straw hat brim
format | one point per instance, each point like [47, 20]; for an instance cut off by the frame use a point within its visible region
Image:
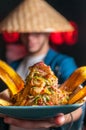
[35, 16]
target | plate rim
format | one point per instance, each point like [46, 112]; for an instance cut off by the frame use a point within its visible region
[42, 107]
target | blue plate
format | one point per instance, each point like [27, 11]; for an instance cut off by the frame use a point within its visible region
[36, 112]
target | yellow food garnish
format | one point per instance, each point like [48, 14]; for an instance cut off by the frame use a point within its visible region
[79, 95]
[76, 78]
[13, 81]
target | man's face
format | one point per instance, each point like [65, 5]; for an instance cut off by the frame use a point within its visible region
[34, 41]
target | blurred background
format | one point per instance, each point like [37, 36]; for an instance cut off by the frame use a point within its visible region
[73, 10]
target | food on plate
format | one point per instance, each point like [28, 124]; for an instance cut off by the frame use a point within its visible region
[41, 87]
[74, 82]
[13, 81]
[4, 102]
[75, 79]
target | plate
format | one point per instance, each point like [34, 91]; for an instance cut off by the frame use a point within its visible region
[36, 112]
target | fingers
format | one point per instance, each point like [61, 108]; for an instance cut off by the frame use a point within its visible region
[57, 121]
[28, 123]
[60, 119]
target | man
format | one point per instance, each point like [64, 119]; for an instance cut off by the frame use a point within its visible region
[38, 48]
[37, 45]
[37, 16]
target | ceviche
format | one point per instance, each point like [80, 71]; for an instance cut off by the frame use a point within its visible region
[41, 87]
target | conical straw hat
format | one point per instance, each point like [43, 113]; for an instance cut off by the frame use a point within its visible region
[35, 16]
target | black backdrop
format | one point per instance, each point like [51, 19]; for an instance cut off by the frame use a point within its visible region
[73, 10]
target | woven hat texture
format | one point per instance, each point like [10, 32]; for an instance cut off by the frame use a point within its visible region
[35, 16]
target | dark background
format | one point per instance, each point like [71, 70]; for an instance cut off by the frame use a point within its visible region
[73, 10]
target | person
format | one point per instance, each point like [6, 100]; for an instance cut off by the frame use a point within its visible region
[38, 47]
[35, 20]
[14, 52]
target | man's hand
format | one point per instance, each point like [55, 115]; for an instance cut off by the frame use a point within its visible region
[57, 121]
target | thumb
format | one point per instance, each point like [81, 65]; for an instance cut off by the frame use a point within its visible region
[60, 119]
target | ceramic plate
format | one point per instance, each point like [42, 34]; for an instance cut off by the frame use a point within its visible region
[36, 112]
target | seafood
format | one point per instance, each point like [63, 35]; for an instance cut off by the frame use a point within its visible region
[41, 86]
